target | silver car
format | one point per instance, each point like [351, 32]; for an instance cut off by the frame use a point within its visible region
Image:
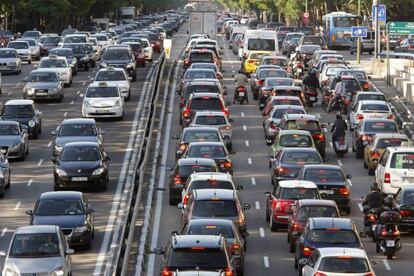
[10, 61]
[38, 250]
[14, 139]
[43, 84]
[34, 47]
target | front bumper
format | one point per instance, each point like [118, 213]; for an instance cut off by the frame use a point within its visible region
[9, 68]
[102, 112]
[67, 182]
[77, 238]
[15, 152]
[43, 95]
[25, 57]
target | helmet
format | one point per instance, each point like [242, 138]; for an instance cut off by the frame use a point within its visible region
[389, 201]
[312, 72]
[374, 187]
[338, 78]
[338, 115]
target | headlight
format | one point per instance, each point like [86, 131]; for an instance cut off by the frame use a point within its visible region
[63, 74]
[117, 103]
[32, 123]
[61, 172]
[58, 272]
[129, 65]
[14, 146]
[80, 229]
[58, 149]
[98, 171]
[11, 272]
[54, 90]
[86, 103]
[103, 64]
[124, 88]
[30, 91]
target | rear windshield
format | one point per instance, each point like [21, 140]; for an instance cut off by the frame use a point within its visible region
[376, 127]
[201, 57]
[187, 258]
[258, 44]
[205, 104]
[287, 92]
[402, 160]
[307, 40]
[18, 45]
[102, 92]
[311, 126]
[351, 85]
[375, 107]
[373, 97]
[325, 176]
[210, 120]
[356, 74]
[287, 102]
[200, 136]
[306, 212]
[279, 82]
[298, 193]
[275, 61]
[301, 158]
[210, 184]
[344, 265]
[215, 208]
[295, 140]
[336, 237]
[207, 151]
[225, 230]
[263, 74]
[278, 114]
[389, 142]
[199, 74]
[185, 171]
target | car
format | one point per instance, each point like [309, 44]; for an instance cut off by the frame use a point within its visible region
[138, 51]
[200, 86]
[295, 91]
[289, 36]
[394, 169]
[366, 130]
[196, 255]
[34, 47]
[252, 60]
[103, 100]
[81, 165]
[200, 55]
[406, 46]
[368, 109]
[309, 123]
[24, 112]
[75, 130]
[374, 150]
[71, 211]
[307, 51]
[360, 75]
[280, 100]
[278, 203]
[59, 65]
[10, 61]
[214, 150]
[325, 232]
[75, 38]
[182, 170]
[201, 65]
[120, 57]
[328, 71]
[404, 200]
[313, 40]
[215, 203]
[48, 43]
[193, 74]
[103, 40]
[263, 72]
[68, 54]
[289, 161]
[367, 43]
[115, 76]
[23, 50]
[94, 51]
[304, 209]
[40, 250]
[148, 51]
[5, 172]
[332, 183]
[43, 84]
[217, 53]
[35, 34]
[271, 83]
[236, 243]
[79, 52]
[217, 120]
[337, 261]
[317, 54]
[291, 139]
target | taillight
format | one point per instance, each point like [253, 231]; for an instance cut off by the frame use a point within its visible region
[259, 82]
[227, 164]
[186, 61]
[186, 113]
[317, 273]
[251, 61]
[387, 178]
[369, 274]
[371, 217]
[282, 170]
[366, 138]
[183, 147]
[375, 154]
[344, 191]
[365, 85]
[228, 272]
[235, 249]
[393, 233]
[391, 117]
[166, 272]
[319, 137]
[410, 46]
[359, 117]
[185, 199]
[307, 251]
[177, 180]
[295, 226]
[273, 125]
[406, 213]
[225, 127]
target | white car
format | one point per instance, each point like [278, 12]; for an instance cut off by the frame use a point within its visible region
[148, 52]
[369, 109]
[115, 76]
[338, 261]
[395, 168]
[330, 71]
[22, 48]
[97, 49]
[59, 65]
[103, 101]
[75, 38]
[34, 47]
[103, 40]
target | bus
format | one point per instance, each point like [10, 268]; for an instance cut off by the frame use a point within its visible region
[337, 28]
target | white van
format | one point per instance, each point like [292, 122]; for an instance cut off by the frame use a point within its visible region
[260, 40]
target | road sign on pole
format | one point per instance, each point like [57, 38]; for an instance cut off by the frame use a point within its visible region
[306, 15]
[359, 31]
[382, 14]
[404, 28]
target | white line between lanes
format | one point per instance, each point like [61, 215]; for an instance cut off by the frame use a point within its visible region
[262, 233]
[78, 92]
[40, 162]
[242, 114]
[17, 205]
[386, 264]
[30, 183]
[249, 160]
[350, 183]
[340, 163]
[244, 127]
[65, 114]
[49, 144]
[8, 94]
[257, 203]
[3, 232]
[72, 102]
[80, 95]
[266, 261]
[253, 181]
[360, 207]
[247, 143]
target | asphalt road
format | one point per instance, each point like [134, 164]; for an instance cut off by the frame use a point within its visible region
[34, 176]
[268, 252]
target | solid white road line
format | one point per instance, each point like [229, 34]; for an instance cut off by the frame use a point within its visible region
[262, 233]
[30, 182]
[257, 205]
[8, 94]
[78, 92]
[360, 207]
[81, 95]
[253, 181]
[49, 144]
[244, 127]
[72, 102]
[266, 261]
[3, 232]
[249, 160]
[65, 114]
[242, 114]
[246, 143]
[40, 162]
[17, 205]
[386, 264]
[340, 163]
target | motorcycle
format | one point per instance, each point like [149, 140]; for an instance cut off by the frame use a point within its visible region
[298, 69]
[311, 95]
[340, 146]
[263, 99]
[341, 103]
[387, 234]
[370, 221]
[241, 94]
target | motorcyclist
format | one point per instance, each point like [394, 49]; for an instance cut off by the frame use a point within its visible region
[389, 205]
[339, 127]
[310, 80]
[297, 57]
[240, 80]
[374, 199]
[339, 92]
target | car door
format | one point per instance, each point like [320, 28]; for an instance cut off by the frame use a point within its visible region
[379, 172]
[310, 267]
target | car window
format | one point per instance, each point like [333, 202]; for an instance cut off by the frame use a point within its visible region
[117, 55]
[18, 45]
[215, 208]
[110, 76]
[199, 74]
[295, 140]
[267, 73]
[258, 44]
[77, 130]
[43, 77]
[375, 107]
[187, 170]
[225, 230]
[376, 127]
[59, 207]
[52, 63]
[297, 157]
[278, 113]
[210, 184]
[298, 193]
[306, 212]
[197, 258]
[333, 236]
[408, 198]
[74, 154]
[351, 85]
[344, 265]
[210, 120]
[402, 160]
[199, 136]
[279, 82]
[6, 129]
[311, 126]
[18, 110]
[275, 61]
[102, 92]
[200, 89]
[206, 103]
[384, 158]
[324, 176]
[389, 142]
[201, 57]
[286, 102]
[35, 245]
[207, 151]
[7, 54]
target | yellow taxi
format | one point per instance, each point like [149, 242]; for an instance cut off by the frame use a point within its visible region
[252, 60]
[374, 150]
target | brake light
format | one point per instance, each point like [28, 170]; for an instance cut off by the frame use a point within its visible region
[307, 251]
[359, 117]
[228, 272]
[319, 137]
[317, 273]
[227, 164]
[186, 61]
[394, 233]
[177, 180]
[371, 217]
[166, 272]
[273, 125]
[391, 117]
[365, 85]
[186, 113]
[369, 274]
[410, 46]
[366, 138]
[295, 226]
[344, 191]
[250, 61]
[282, 170]
[259, 82]
[375, 154]
[387, 178]
[406, 213]
[235, 249]
[185, 199]
[225, 127]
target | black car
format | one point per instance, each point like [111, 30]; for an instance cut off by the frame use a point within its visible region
[69, 210]
[325, 232]
[332, 183]
[24, 112]
[76, 130]
[5, 173]
[405, 205]
[183, 169]
[120, 57]
[81, 165]
[79, 51]
[48, 43]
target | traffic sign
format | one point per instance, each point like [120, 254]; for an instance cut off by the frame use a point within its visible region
[306, 15]
[382, 14]
[359, 31]
[404, 28]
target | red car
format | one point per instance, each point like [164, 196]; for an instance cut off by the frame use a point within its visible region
[278, 203]
[280, 100]
[304, 209]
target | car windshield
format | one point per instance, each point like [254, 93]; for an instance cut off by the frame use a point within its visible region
[101, 37]
[351, 85]
[50, 40]
[7, 54]
[331, 71]
[356, 74]
[275, 61]
[210, 183]
[211, 229]
[333, 236]
[31, 34]
[136, 47]
[18, 45]
[59, 207]
[266, 73]
[286, 102]
[186, 170]
[43, 77]
[295, 140]
[375, 107]
[199, 88]
[110, 76]
[347, 21]
[206, 103]
[52, 63]
[384, 143]
[75, 39]
[279, 82]
[376, 127]
[309, 48]
[324, 176]
[301, 158]
[76, 154]
[306, 212]
[287, 92]
[311, 126]
[11, 129]
[30, 41]
[207, 151]
[102, 92]
[298, 193]
[117, 55]
[18, 110]
[36, 245]
[205, 258]
[199, 74]
[215, 208]
[201, 57]
[278, 113]
[402, 160]
[345, 265]
[258, 44]
[61, 53]
[210, 120]
[77, 130]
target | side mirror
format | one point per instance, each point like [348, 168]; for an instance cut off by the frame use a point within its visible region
[245, 234]
[53, 159]
[158, 251]
[267, 194]
[3, 253]
[91, 79]
[348, 176]
[53, 132]
[246, 206]
[174, 137]
[174, 233]
[29, 212]
[70, 251]
[239, 187]
[362, 234]
[369, 77]
[25, 79]
[102, 132]
[90, 211]
[228, 103]
[130, 78]
[303, 262]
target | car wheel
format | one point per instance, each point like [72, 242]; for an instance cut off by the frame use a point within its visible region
[240, 272]
[358, 154]
[365, 164]
[292, 246]
[296, 263]
[86, 68]
[88, 244]
[129, 96]
[322, 152]
[56, 187]
[273, 225]
[22, 157]
[348, 210]
[371, 171]
[30, 61]
[27, 149]
[2, 193]
[267, 214]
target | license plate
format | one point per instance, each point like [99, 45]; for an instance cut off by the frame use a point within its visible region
[373, 227]
[390, 243]
[292, 175]
[79, 178]
[312, 98]
[41, 93]
[299, 70]
[328, 192]
[241, 94]
[102, 111]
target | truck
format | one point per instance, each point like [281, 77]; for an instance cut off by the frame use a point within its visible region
[203, 22]
[102, 23]
[127, 14]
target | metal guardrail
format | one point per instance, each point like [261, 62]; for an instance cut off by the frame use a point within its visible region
[409, 56]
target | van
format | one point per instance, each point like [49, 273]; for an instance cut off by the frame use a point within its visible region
[260, 40]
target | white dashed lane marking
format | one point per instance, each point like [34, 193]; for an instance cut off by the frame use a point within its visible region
[266, 261]
[386, 264]
[262, 233]
[65, 114]
[49, 144]
[249, 160]
[245, 128]
[360, 207]
[257, 203]
[340, 163]
[40, 162]
[242, 114]
[3, 232]
[30, 183]
[253, 181]
[246, 143]
[17, 205]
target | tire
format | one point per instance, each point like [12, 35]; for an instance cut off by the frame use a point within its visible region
[296, 264]
[348, 210]
[240, 272]
[358, 154]
[29, 62]
[172, 201]
[365, 165]
[267, 215]
[273, 226]
[55, 187]
[310, 104]
[323, 153]
[389, 253]
[8, 181]
[86, 68]
[371, 171]
[88, 244]
[292, 246]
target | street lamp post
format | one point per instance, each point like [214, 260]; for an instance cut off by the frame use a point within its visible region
[358, 38]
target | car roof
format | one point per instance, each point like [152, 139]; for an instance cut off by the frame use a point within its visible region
[80, 144]
[19, 102]
[211, 175]
[286, 87]
[36, 229]
[218, 194]
[61, 195]
[299, 149]
[300, 117]
[195, 161]
[188, 241]
[289, 106]
[323, 223]
[110, 68]
[294, 131]
[342, 251]
[316, 202]
[290, 184]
